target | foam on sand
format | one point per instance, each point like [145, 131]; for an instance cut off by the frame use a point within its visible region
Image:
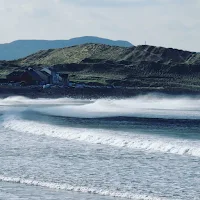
[83, 189]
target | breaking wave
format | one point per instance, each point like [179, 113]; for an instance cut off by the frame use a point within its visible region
[13, 117]
[106, 137]
[20, 100]
[83, 189]
[149, 106]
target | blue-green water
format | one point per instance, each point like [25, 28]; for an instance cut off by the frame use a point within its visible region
[141, 148]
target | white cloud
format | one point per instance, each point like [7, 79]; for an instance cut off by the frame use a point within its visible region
[170, 23]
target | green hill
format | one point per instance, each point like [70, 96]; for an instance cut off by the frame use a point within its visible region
[139, 67]
[143, 53]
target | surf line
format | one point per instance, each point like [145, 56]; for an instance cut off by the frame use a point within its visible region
[81, 189]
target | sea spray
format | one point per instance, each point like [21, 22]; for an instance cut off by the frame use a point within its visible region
[148, 106]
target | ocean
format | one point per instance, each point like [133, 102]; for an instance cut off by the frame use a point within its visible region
[141, 148]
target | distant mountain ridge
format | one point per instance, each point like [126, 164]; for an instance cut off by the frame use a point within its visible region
[22, 48]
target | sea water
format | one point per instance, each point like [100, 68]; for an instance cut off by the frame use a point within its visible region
[142, 148]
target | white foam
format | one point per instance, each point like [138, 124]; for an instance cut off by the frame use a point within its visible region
[106, 137]
[149, 106]
[20, 100]
[83, 189]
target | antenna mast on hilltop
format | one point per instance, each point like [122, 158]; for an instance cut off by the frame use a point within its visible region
[145, 42]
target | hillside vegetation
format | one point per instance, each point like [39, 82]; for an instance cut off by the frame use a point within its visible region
[77, 54]
[135, 67]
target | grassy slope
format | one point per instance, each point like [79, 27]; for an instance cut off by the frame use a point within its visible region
[141, 66]
[74, 54]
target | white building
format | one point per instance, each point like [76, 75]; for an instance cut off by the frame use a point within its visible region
[55, 78]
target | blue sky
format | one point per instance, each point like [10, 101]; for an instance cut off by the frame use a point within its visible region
[169, 23]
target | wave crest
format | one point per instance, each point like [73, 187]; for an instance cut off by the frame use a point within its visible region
[106, 137]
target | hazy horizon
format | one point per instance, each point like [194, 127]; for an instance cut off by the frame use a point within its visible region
[88, 36]
[164, 23]
[60, 39]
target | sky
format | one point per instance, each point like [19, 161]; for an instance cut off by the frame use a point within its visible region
[168, 23]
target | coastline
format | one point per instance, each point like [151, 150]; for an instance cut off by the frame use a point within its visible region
[90, 93]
